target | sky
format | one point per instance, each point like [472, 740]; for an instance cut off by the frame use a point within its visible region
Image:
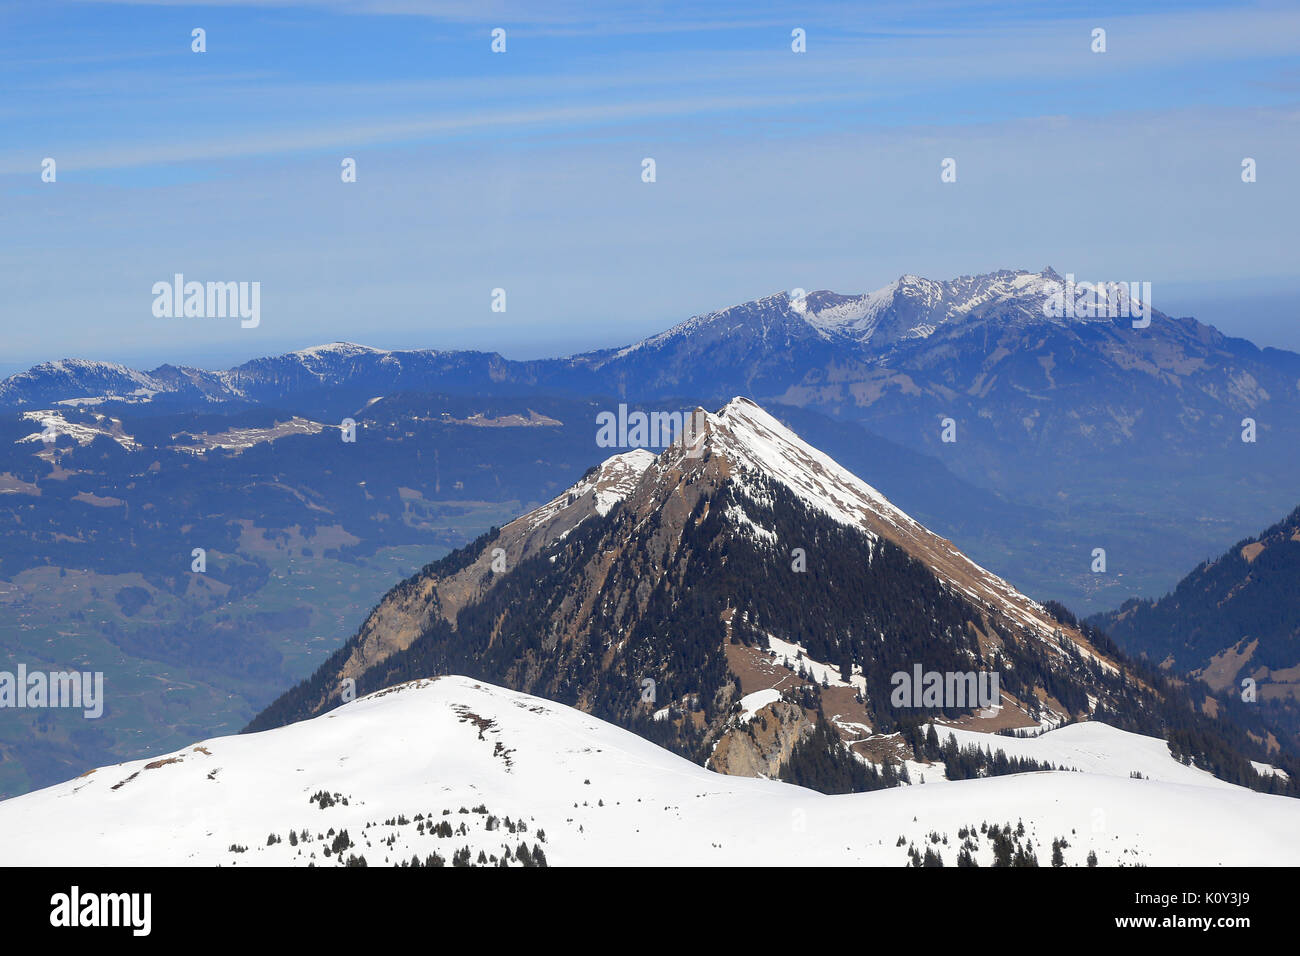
[522, 170]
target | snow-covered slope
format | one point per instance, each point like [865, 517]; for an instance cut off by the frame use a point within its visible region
[590, 793]
[1096, 749]
[54, 425]
[607, 484]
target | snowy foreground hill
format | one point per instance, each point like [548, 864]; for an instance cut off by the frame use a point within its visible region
[435, 766]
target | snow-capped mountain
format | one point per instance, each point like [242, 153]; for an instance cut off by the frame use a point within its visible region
[915, 307]
[665, 592]
[911, 307]
[448, 769]
[79, 380]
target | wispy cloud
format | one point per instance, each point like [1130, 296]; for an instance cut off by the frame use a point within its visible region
[971, 71]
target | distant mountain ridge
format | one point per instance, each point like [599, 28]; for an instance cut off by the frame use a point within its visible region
[1235, 617]
[79, 381]
[1080, 417]
[870, 328]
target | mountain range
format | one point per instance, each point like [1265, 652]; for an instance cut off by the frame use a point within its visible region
[1079, 416]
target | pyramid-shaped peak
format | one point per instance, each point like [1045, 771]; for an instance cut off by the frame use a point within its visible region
[749, 436]
[745, 446]
[758, 447]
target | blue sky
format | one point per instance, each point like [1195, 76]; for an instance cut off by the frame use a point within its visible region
[522, 170]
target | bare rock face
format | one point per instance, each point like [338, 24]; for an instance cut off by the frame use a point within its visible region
[761, 746]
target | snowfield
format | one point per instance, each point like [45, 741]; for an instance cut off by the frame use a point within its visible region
[1096, 749]
[590, 793]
